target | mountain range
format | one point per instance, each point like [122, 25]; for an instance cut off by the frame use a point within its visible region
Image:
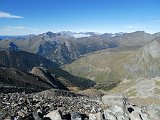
[63, 48]
[103, 58]
[111, 76]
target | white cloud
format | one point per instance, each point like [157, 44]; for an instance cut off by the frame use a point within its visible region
[10, 28]
[8, 15]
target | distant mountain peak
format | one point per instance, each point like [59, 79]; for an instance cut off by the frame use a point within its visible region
[50, 34]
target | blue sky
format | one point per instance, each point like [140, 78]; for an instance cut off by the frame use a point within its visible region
[21, 17]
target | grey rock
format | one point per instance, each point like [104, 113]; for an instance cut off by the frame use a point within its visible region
[75, 116]
[114, 99]
[36, 116]
[109, 115]
[21, 114]
[92, 117]
[97, 116]
[154, 112]
[54, 115]
[135, 116]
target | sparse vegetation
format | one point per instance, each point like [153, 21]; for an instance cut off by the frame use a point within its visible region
[103, 67]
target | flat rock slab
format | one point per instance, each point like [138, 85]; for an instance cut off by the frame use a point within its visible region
[145, 88]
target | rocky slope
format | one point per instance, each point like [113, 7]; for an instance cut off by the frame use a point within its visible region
[145, 62]
[24, 61]
[64, 105]
[44, 74]
[147, 89]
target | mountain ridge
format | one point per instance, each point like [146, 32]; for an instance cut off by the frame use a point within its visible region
[63, 50]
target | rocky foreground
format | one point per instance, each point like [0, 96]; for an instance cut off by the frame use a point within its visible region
[64, 105]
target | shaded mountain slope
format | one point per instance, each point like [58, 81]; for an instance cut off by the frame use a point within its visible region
[25, 61]
[44, 74]
[12, 80]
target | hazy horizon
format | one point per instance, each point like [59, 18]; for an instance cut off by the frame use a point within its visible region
[76, 32]
[24, 17]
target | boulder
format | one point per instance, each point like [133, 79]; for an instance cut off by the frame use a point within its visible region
[21, 114]
[114, 99]
[36, 116]
[135, 116]
[123, 117]
[75, 116]
[97, 116]
[54, 115]
[154, 112]
[109, 115]
[137, 111]
[117, 109]
[92, 117]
